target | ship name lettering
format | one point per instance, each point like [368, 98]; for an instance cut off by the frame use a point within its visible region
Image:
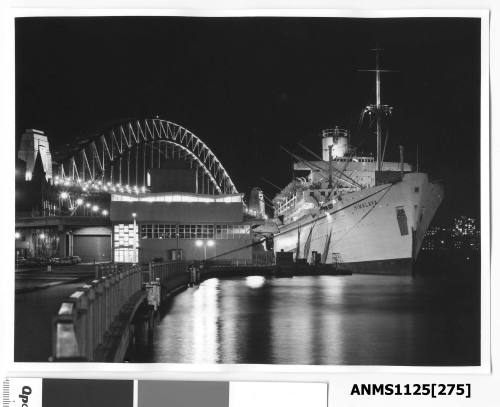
[366, 204]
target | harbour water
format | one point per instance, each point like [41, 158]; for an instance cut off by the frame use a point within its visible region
[334, 320]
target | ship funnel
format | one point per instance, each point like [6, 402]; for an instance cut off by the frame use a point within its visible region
[256, 203]
[339, 140]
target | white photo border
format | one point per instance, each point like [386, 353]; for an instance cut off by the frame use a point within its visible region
[222, 371]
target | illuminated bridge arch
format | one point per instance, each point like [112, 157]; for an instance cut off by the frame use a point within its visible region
[123, 155]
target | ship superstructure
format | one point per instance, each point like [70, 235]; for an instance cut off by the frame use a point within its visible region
[366, 213]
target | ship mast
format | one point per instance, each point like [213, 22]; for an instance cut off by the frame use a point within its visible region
[378, 109]
[379, 130]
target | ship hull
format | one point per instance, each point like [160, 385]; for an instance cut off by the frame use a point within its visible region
[389, 266]
[376, 230]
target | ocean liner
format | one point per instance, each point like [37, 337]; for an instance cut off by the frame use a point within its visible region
[357, 211]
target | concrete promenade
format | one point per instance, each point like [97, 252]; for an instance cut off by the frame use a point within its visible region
[38, 297]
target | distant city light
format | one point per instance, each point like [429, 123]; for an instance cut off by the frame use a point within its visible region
[42, 235]
[18, 235]
[199, 243]
[64, 195]
[104, 212]
[79, 201]
[210, 243]
[95, 208]
[134, 214]
[87, 205]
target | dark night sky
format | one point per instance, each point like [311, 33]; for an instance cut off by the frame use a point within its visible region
[248, 85]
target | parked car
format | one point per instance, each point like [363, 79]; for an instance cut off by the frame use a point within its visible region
[20, 261]
[66, 260]
[76, 259]
[55, 260]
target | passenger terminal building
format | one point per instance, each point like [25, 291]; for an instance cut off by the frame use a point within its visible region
[173, 222]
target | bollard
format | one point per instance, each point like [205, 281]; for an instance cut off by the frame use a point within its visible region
[79, 299]
[96, 337]
[64, 342]
[85, 309]
[108, 318]
[153, 294]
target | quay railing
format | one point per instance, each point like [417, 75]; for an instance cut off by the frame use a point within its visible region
[260, 259]
[94, 321]
[106, 269]
[171, 275]
[85, 318]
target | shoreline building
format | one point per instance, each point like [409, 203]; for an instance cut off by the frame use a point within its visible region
[33, 143]
[179, 225]
[48, 220]
[174, 222]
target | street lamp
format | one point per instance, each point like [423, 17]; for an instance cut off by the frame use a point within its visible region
[211, 243]
[134, 245]
[62, 196]
[204, 244]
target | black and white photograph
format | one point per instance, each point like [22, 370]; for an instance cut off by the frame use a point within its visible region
[249, 190]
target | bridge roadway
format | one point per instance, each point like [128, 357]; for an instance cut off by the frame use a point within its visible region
[60, 221]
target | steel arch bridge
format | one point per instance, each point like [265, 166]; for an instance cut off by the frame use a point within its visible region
[120, 158]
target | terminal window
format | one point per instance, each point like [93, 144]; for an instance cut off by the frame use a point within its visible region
[123, 243]
[193, 231]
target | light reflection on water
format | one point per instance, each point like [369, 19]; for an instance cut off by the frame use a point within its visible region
[359, 319]
[255, 281]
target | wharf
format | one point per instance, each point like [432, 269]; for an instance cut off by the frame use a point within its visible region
[285, 270]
